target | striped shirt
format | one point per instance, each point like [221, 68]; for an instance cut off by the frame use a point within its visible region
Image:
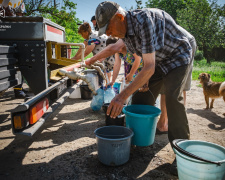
[153, 30]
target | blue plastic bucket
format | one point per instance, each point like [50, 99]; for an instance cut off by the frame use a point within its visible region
[211, 167]
[142, 119]
[113, 143]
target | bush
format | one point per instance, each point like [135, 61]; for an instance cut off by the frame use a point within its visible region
[199, 55]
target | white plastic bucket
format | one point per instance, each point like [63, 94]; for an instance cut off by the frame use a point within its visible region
[191, 168]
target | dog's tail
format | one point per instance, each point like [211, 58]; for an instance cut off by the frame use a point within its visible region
[222, 89]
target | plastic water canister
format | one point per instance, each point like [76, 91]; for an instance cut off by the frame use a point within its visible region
[97, 101]
[109, 94]
[116, 87]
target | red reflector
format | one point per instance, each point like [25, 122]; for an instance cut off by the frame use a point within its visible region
[38, 110]
[54, 30]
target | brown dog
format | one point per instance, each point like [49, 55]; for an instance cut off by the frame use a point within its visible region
[211, 89]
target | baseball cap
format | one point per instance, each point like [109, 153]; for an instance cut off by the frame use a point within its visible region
[104, 12]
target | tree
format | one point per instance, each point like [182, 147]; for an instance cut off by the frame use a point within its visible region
[170, 6]
[206, 22]
[202, 19]
[63, 14]
[138, 6]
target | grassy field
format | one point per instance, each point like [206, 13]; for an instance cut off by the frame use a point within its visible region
[215, 69]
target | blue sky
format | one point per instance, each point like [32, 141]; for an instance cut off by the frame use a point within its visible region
[86, 8]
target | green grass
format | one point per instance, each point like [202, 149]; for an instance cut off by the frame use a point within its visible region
[74, 51]
[215, 69]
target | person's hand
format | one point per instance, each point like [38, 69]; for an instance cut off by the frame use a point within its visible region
[111, 83]
[115, 106]
[88, 61]
[144, 88]
[129, 78]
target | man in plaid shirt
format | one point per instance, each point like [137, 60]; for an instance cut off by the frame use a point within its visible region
[166, 52]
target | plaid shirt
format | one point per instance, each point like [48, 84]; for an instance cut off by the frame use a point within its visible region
[153, 30]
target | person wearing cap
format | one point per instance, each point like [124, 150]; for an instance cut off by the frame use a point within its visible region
[162, 125]
[93, 20]
[167, 56]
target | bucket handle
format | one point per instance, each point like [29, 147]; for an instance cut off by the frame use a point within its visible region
[145, 91]
[178, 148]
[120, 116]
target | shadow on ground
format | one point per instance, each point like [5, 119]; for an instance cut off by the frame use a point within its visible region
[217, 122]
[81, 163]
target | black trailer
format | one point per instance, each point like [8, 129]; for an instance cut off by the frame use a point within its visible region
[35, 48]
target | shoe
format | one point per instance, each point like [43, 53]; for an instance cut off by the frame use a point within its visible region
[20, 95]
[173, 168]
[161, 132]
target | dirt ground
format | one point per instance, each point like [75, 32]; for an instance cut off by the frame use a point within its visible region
[65, 147]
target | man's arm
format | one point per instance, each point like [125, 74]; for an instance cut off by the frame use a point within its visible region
[143, 76]
[106, 52]
[116, 68]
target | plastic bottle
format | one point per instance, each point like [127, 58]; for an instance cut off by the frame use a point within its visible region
[109, 94]
[97, 101]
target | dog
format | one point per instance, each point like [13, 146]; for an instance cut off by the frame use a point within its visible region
[211, 89]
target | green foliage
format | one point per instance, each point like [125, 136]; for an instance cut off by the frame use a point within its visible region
[64, 15]
[215, 69]
[170, 6]
[199, 55]
[207, 26]
[138, 6]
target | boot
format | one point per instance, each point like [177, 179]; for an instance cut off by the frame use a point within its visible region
[19, 94]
